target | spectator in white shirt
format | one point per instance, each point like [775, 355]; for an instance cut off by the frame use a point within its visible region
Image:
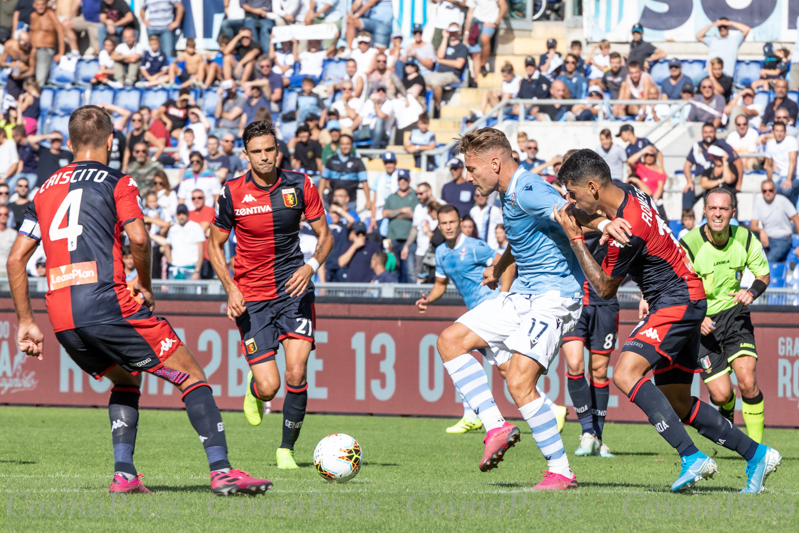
[311, 60]
[199, 124]
[185, 247]
[9, 157]
[364, 55]
[127, 58]
[187, 145]
[422, 221]
[743, 103]
[487, 14]
[510, 89]
[486, 218]
[781, 160]
[771, 221]
[613, 154]
[447, 12]
[199, 177]
[744, 140]
[348, 107]
[7, 237]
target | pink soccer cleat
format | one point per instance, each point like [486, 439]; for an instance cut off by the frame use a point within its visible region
[233, 481]
[121, 484]
[498, 441]
[553, 481]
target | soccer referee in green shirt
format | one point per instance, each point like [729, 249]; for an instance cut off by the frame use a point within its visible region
[720, 253]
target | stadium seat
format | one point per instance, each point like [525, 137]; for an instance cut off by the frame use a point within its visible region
[746, 72]
[211, 122]
[675, 226]
[41, 123]
[334, 70]
[778, 272]
[795, 241]
[210, 98]
[67, 101]
[289, 101]
[128, 98]
[60, 124]
[102, 95]
[694, 69]
[762, 98]
[288, 129]
[793, 95]
[46, 100]
[660, 71]
[4, 75]
[154, 98]
[60, 77]
[85, 71]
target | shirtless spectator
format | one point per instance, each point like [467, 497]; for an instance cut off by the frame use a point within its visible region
[47, 34]
[19, 57]
[88, 21]
[247, 50]
[127, 58]
[192, 73]
[381, 75]
[635, 87]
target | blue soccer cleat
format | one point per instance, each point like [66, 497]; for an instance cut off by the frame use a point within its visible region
[765, 461]
[695, 468]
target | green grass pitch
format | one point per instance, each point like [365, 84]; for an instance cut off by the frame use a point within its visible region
[56, 465]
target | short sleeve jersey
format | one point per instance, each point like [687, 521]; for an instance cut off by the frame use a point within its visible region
[78, 215]
[722, 267]
[267, 226]
[463, 265]
[653, 258]
[344, 173]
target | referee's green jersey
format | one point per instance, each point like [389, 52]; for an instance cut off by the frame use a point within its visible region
[721, 268]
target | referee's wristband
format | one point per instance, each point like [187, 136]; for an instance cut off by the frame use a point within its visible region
[758, 287]
[314, 264]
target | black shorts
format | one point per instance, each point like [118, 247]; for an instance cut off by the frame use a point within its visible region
[734, 336]
[184, 76]
[141, 342]
[669, 339]
[597, 328]
[266, 323]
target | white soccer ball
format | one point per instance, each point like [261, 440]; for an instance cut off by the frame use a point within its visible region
[337, 458]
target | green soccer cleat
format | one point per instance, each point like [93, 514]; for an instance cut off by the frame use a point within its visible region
[285, 459]
[560, 416]
[253, 407]
[465, 425]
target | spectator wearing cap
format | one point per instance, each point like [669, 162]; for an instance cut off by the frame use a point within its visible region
[345, 171]
[486, 218]
[487, 14]
[421, 140]
[307, 152]
[510, 89]
[572, 78]
[635, 145]
[185, 247]
[378, 264]
[399, 209]
[699, 157]
[613, 154]
[373, 16]
[707, 106]
[720, 173]
[358, 258]
[642, 52]
[334, 131]
[396, 54]
[731, 36]
[780, 100]
[364, 55]
[199, 177]
[413, 82]
[672, 86]
[447, 12]
[722, 84]
[458, 192]
[229, 107]
[533, 85]
[385, 185]
[781, 160]
[775, 65]
[422, 52]
[551, 62]
[452, 58]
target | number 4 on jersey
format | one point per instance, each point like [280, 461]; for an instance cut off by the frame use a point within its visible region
[71, 205]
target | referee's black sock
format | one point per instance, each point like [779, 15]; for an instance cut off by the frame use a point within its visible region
[207, 421]
[661, 415]
[581, 398]
[715, 427]
[293, 413]
[123, 411]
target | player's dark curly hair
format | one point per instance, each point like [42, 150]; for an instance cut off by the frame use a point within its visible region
[584, 165]
[89, 126]
[258, 129]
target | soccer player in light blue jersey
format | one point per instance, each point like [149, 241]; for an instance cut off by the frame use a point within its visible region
[462, 259]
[544, 303]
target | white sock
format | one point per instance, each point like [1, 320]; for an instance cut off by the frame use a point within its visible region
[467, 411]
[471, 381]
[541, 419]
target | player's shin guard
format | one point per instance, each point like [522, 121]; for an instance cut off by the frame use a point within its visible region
[293, 413]
[754, 418]
[471, 381]
[207, 421]
[541, 419]
[715, 427]
[661, 415]
[123, 411]
[600, 396]
[581, 398]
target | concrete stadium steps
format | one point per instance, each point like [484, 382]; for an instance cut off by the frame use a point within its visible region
[404, 160]
[443, 126]
[469, 97]
[516, 60]
[491, 81]
[457, 111]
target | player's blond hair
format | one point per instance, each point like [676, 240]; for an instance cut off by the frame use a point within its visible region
[485, 140]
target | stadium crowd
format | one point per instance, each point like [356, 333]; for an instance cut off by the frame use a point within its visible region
[367, 86]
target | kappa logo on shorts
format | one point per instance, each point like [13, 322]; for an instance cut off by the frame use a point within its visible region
[166, 345]
[705, 362]
[251, 346]
[75, 274]
[289, 197]
[142, 363]
[247, 199]
[652, 333]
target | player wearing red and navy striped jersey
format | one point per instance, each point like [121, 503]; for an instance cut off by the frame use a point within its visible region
[667, 339]
[78, 216]
[271, 296]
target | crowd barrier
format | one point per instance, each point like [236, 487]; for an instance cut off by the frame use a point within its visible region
[370, 358]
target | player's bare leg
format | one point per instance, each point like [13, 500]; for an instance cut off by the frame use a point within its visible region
[523, 374]
[752, 397]
[722, 394]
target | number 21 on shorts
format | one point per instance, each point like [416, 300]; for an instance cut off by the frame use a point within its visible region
[305, 327]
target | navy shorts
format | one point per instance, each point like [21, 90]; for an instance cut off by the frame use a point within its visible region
[141, 342]
[669, 339]
[266, 323]
[597, 328]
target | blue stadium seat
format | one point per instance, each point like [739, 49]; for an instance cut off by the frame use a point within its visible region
[102, 95]
[67, 101]
[4, 75]
[746, 72]
[660, 71]
[85, 71]
[128, 98]
[794, 241]
[154, 98]
[211, 122]
[694, 69]
[41, 123]
[793, 95]
[675, 226]
[289, 101]
[210, 98]
[46, 100]
[762, 98]
[60, 124]
[60, 77]
[288, 129]
[778, 273]
[334, 70]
